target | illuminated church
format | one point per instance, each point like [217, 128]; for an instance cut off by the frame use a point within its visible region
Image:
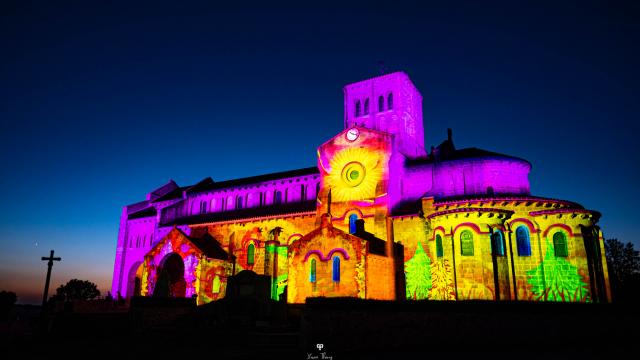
[379, 217]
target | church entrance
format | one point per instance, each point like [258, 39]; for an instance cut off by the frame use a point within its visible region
[171, 281]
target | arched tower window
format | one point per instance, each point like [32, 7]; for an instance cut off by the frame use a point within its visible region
[439, 249]
[352, 223]
[251, 254]
[277, 197]
[312, 271]
[239, 202]
[336, 268]
[366, 106]
[497, 243]
[522, 240]
[466, 243]
[358, 108]
[390, 101]
[560, 245]
[381, 103]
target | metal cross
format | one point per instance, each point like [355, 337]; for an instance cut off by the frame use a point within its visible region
[46, 284]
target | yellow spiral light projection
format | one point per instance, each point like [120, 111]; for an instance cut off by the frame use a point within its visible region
[355, 173]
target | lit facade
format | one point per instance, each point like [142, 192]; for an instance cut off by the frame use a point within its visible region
[379, 217]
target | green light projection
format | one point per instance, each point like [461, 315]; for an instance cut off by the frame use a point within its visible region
[556, 279]
[418, 275]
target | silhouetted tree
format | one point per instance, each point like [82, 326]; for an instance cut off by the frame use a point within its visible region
[623, 262]
[7, 301]
[77, 290]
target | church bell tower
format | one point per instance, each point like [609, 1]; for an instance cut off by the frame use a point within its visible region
[388, 103]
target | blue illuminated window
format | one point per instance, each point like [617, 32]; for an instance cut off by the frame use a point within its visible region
[523, 242]
[352, 223]
[497, 244]
[336, 269]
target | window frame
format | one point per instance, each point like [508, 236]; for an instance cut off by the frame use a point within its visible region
[251, 254]
[563, 239]
[523, 241]
[469, 240]
[335, 269]
[439, 247]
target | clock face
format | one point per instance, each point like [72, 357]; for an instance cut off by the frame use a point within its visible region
[353, 134]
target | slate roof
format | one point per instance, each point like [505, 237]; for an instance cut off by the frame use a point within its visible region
[146, 212]
[253, 179]
[459, 154]
[271, 210]
[209, 246]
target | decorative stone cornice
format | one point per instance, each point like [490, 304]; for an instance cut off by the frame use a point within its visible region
[480, 211]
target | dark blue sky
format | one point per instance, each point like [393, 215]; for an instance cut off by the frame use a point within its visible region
[102, 102]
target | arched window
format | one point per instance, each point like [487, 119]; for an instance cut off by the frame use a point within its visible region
[203, 207]
[390, 101]
[381, 103]
[277, 197]
[497, 243]
[215, 287]
[303, 192]
[239, 202]
[312, 271]
[522, 239]
[466, 243]
[358, 108]
[560, 245]
[439, 249]
[230, 201]
[336, 269]
[251, 254]
[366, 106]
[352, 223]
[213, 205]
